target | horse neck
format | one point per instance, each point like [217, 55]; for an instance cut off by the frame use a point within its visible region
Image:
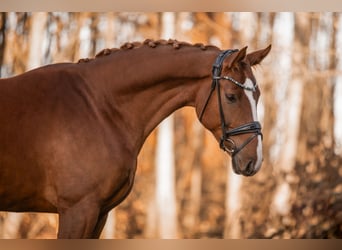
[142, 86]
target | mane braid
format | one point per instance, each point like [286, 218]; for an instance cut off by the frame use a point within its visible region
[148, 42]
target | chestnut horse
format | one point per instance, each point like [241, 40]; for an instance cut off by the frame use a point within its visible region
[70, 133]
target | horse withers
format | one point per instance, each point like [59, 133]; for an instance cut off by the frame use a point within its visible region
[70, 133]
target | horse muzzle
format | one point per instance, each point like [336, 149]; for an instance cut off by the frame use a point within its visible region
[245, 168]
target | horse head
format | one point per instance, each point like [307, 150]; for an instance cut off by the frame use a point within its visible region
[229, 110]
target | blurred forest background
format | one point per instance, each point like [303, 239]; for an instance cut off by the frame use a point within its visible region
[190, 191]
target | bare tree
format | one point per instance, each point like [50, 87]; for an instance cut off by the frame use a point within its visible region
[3, 19]
[165, 168]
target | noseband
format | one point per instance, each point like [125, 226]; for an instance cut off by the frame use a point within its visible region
[253, 128]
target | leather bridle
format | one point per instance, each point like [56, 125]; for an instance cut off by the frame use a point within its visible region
[254, 128]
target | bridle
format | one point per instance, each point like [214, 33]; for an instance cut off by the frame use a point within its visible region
[248, 128]
[253, 128]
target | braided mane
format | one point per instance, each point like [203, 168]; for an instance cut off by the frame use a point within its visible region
[148, 42]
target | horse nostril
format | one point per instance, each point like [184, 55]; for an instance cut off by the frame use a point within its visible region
[249, 170]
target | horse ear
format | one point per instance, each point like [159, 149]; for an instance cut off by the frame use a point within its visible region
[236, 58]
[256, 57]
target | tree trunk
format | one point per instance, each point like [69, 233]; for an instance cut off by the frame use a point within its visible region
[36, 39]
[165, 169]
[3, 19]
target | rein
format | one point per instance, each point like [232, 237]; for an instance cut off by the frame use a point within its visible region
[248, 128]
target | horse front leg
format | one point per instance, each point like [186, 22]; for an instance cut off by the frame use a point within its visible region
[101, 222]
[78, 221]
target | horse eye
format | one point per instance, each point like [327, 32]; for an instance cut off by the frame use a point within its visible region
[231, 98]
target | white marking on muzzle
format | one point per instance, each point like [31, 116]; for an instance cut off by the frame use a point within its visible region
[252, 101]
